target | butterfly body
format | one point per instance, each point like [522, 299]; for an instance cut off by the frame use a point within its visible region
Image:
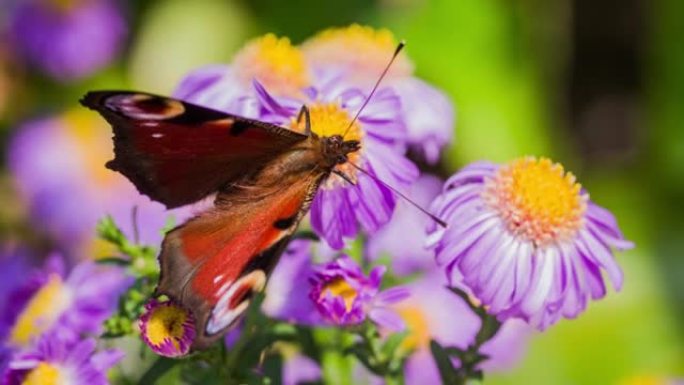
[264, 177]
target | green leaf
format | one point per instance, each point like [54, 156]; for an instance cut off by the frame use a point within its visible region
[390, 346]
[117, 261]
[446, 368]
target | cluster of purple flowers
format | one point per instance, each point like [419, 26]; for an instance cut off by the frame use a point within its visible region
[49, 318]
[523, 238]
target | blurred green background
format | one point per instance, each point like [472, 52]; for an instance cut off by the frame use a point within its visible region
[597, 86]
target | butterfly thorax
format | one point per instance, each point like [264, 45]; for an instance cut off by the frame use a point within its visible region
[335, 149]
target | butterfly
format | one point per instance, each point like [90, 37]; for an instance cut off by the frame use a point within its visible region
[264, 177]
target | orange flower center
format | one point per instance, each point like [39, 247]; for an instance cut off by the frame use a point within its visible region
[537, 199]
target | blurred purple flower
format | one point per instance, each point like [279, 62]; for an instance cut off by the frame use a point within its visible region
[287, 292]
[403, 238]
[272, 61]
[58, 361]
[51, 303]
[68, 40]
[360, 54]
[339, 209]
[58, 165]
[167, 328]
[299, 369]
[525, 239]
[434, 312]
[344, 295]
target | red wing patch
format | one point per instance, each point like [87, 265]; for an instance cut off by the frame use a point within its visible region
[178, 153]
[213, 263]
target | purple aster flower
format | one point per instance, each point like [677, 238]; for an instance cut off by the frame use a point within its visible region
[300, 369]
[361, 53]
[344, 295]
[167, 328]
[403, 238]
[58, 165]
[339, 209]
[50, 303]
[272, 61]
[525, 239]
[434, 312]
[58, 361]
[287, 292]
[68, 40]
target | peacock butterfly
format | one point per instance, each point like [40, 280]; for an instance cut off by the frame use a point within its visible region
[264, 177]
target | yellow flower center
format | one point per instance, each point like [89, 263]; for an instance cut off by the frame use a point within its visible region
[275, 63]
[338, 287]
[93, 143]
[363, 50]
[537, 199]
[41, 312]
[328, 119]
[417, 326]
[44, 374]
[166, 322]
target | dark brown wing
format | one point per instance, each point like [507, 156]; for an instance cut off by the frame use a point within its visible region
[178, 153]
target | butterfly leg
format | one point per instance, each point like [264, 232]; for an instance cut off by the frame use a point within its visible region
[344, 176]
[304, 113]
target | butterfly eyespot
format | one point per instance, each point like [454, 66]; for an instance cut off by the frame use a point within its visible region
[233, 300]
[145, 107]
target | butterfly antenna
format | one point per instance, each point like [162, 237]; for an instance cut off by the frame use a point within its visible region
[375, 87]
[416, 205]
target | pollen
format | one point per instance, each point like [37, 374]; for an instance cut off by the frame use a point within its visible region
[44, 374]
[338, 287]
[166, 322]
[364, 50]
[274, 62]
[537, 199]
[418, 328]
[41, 312]
[328, 119]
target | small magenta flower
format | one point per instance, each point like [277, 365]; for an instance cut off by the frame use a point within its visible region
[50, 303]
[270, 60]
[68, 40]
[61, 361]
[167, 328]
[360, 54]
[344, 295]
[525, 239]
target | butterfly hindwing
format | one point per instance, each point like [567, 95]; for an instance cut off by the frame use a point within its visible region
[178, 153]
[214, 262]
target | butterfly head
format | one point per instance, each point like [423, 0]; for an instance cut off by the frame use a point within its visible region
[335, 149]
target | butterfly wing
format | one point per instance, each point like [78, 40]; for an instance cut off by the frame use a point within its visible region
[213, 263]
[178, 153]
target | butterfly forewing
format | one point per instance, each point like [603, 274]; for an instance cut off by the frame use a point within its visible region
[176, 152]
